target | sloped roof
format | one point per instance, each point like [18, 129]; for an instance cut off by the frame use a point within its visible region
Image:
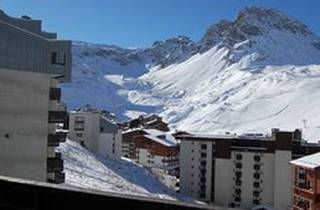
[310, 161]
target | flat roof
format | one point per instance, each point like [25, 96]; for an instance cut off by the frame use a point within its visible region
[310, 161]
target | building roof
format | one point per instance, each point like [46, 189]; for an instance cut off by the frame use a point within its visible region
[310, 161]
[164, 141]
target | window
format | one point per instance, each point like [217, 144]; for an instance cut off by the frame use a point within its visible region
[238, 182]
[101, 129]
[256, 202]
[256, 175]
[203, 155]
[238, 191]
[238, 174]
[203, 163]
[256, 193]
[79, 134]
[239, 157]
[202, 195]
[203, 146]
[238, 165]
[58, 58]
[256, 167]
[257, 158]
[256, 184]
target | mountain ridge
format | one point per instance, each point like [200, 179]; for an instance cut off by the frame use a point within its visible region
[197, 86]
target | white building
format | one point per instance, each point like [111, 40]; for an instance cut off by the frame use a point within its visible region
[96, 131]
[240, 171]
[32, 63]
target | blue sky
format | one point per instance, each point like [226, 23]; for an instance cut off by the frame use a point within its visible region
[138, 23]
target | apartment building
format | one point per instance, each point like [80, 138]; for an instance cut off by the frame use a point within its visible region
[306, 183]
[95, 130]
[241, 171]
[152, 148]
[32, 64]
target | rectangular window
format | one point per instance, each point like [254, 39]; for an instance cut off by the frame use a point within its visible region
[58, 58]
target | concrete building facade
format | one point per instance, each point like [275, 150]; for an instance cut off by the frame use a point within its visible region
[240, 171]
[30, 106]
[94, 130]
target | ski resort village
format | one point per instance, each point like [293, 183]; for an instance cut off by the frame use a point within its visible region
[227, 122]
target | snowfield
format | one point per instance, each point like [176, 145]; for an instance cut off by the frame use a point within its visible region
[260, 71]
[85, 170]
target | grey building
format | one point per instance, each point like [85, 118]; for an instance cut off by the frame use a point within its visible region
[32, 64]
[97, 131]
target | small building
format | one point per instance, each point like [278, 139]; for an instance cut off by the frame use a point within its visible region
[306, 183]
[32, 64]
[153, 149]
[95, 130]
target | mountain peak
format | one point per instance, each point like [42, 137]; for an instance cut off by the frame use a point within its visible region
[252, 21]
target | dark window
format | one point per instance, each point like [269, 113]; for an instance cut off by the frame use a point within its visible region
[238, 165]
[203, 155]
[238, 182]
[237, 199]
[202, 179]
[203, 171]
[79, 134]
[256, 175]
[256, 167]
[58, 58]
[257, 158]
[202, 195]
[203, 146]
[238, 174]
[239, 157]
[6, 135]
[256, 184]
[101, 129]
[203, 163]
[256, 202]
[238, 191]
[256, 193]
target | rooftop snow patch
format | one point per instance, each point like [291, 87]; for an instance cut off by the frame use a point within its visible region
[310, 161]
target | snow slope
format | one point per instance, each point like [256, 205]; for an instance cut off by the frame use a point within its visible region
[257, 72]
[85, 170]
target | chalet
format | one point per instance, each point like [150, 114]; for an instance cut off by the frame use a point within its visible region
[153, 149]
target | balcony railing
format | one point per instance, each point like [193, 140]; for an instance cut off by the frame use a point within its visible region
[55, 139]
[59, 178]
[54, 165]
[55, 94]
[58, 117]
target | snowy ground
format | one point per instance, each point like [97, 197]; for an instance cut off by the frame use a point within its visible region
[85, 170]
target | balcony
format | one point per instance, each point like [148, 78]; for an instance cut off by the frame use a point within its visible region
[58, 117]
[55, 139]
[55, 94]
[59, 178]
[54, 165]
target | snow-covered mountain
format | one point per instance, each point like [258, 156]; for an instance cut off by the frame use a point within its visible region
[261, 70]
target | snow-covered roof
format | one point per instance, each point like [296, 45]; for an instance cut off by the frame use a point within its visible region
[166, 141]
[310, 161]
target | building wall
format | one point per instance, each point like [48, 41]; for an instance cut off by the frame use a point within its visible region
[190, 170]
[282, 182]
[24, 128]
[107, 144]
[28, 51]
[110, 145]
